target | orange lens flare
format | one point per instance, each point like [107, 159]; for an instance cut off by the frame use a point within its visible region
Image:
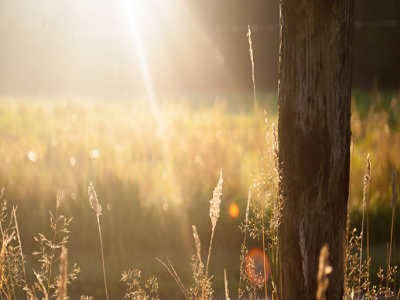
[233, 210]
[255, 266]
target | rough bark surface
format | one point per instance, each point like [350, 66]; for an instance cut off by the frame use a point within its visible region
[315, 74]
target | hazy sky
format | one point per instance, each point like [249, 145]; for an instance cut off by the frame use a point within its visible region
[120, 48]
[105, 47]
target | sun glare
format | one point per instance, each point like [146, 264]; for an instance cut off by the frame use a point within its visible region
[137, 12]
[149, 36]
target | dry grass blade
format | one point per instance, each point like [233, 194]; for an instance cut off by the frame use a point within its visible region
[367, 181]
[243, 255]
[42, 287]
[226, 286]
[214, 215]
[14, 214]
[324, 269]
[94, 202]
[4, 246]
[276, 150]
[394, 189]
[197, 242]
[248, 206]
[174, 275]
[393, 204]
[252, 64]
[257, 131]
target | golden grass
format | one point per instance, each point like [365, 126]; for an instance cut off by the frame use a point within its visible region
[101, 142]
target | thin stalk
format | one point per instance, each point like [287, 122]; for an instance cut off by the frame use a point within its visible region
[209, 251]
[175, 276]
[281, 278]
[368, 291]
[388, 270]
[277, 259]
[259, 159]
[367, 180]
[394, 200]
[102, 257]
[53, 249]
[244, 242]
[94, 203]
[208, 261]
[14, 213]
[264, 259]
[394, 252]
[348, 214]
[390, 246]
[361, 246]
[226, 286]
[214, 215]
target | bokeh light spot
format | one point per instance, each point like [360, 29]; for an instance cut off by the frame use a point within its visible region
[255, 266]
[32, 156]
[165, 207]
[94, 154]
[233, 210]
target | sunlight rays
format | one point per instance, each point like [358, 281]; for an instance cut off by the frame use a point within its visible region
[164, 35]
[133, 9]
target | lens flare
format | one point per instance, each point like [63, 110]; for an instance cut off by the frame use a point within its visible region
[233, 210]
[255, 266]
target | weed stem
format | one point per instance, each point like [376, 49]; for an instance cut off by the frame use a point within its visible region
[102, 257]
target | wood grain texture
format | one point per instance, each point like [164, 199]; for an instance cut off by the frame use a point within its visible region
[315, 75]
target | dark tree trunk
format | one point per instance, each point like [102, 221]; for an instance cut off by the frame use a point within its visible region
[315, 74]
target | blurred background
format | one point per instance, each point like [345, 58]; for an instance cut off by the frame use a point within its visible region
[149, 100]
[100, 48]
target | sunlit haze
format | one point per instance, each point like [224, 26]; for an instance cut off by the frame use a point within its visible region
[102, 48]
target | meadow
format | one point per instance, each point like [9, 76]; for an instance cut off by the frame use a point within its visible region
[154, 169]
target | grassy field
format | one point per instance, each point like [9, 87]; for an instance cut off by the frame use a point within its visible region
[154, 170]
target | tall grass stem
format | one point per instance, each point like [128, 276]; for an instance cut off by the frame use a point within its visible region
[102, 257]
[244, 243]
[259, 159]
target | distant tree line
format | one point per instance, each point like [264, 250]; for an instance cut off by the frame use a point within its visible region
[376, 39]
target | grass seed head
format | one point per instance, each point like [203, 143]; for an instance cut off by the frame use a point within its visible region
[367, 181]
[94, 202]
[216, 201]
[197, 242]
